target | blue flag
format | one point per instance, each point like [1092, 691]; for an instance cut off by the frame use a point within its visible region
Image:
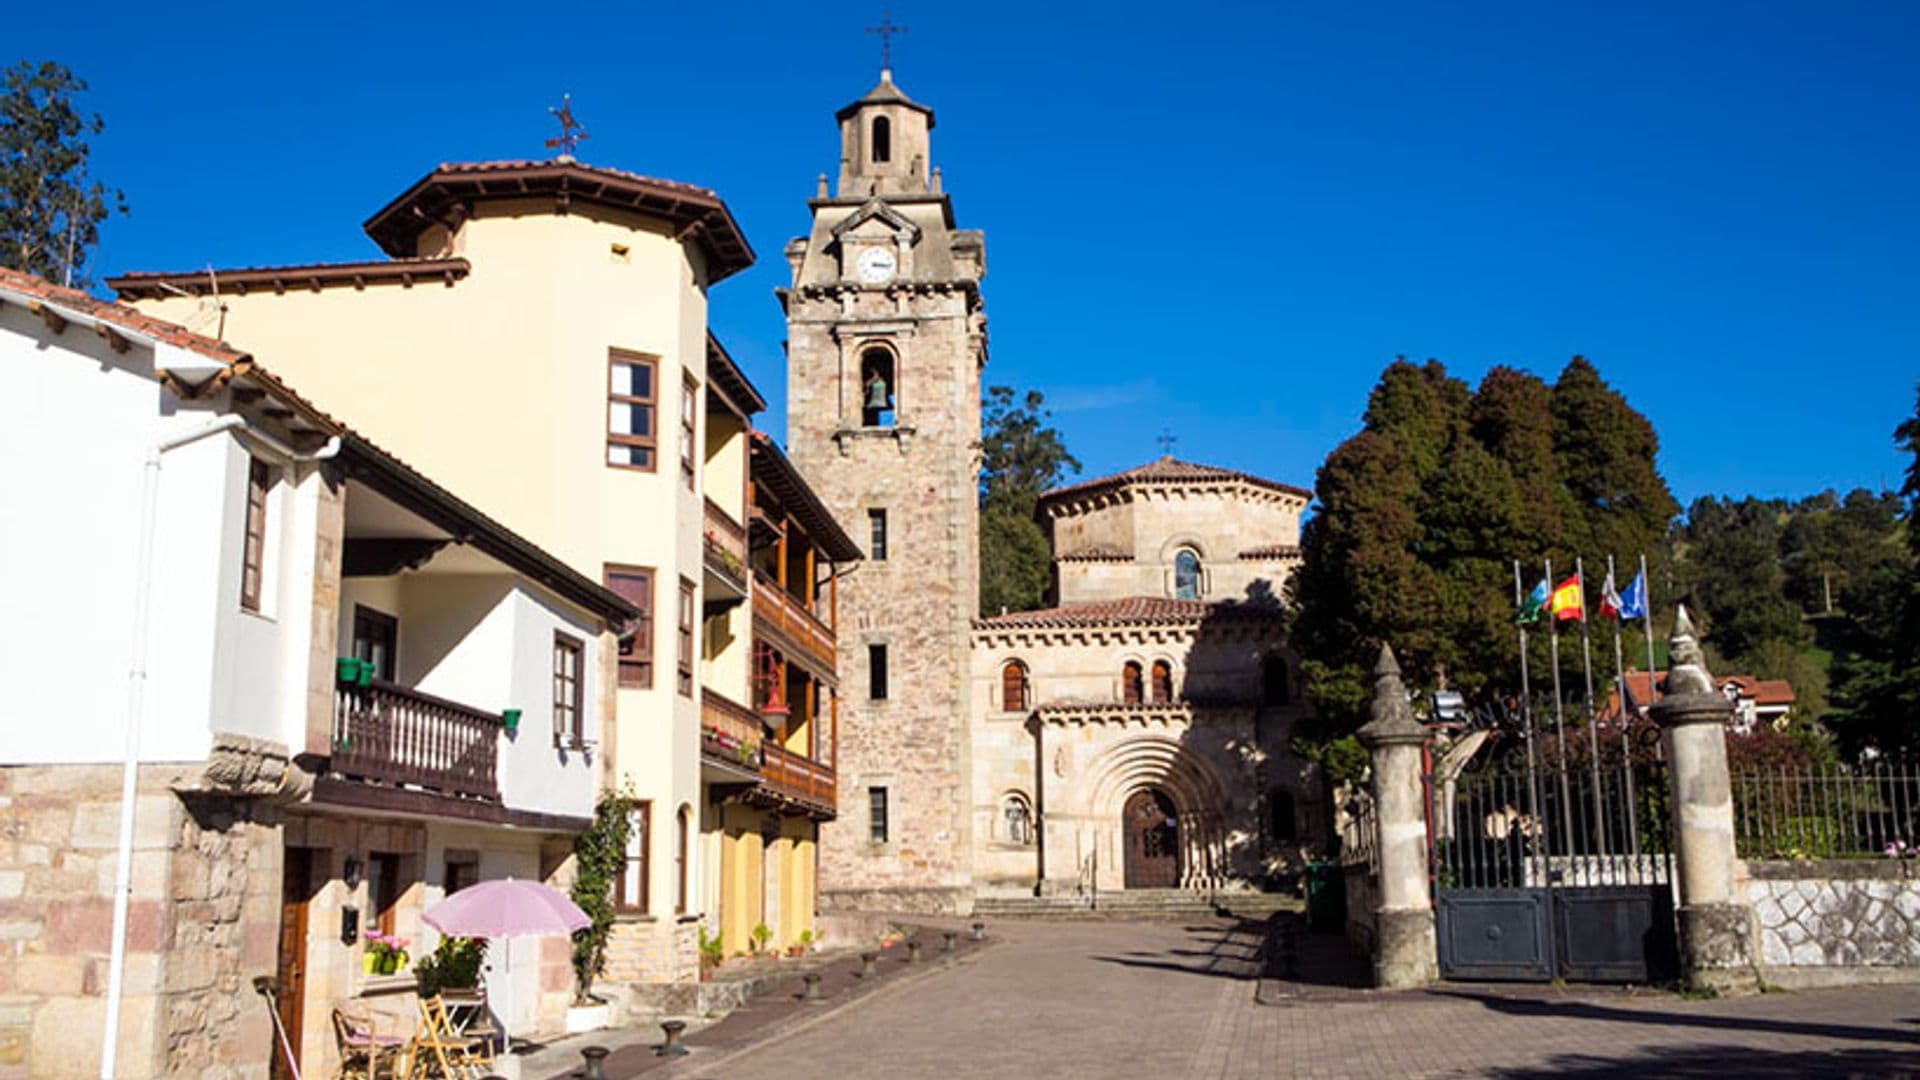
[1633, 602]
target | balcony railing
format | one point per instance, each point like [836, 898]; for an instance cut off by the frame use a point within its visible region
[388, 734]
[729, 731]
[725, 545]
[797, 779]
[781, 612]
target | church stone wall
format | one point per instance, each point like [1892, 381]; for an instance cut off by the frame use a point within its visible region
[1153, 522]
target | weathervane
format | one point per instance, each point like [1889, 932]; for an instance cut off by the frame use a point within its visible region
[570, 130]
[886, 30]
[1166, 440]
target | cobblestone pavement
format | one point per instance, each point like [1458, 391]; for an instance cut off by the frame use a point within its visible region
[1117, 1000]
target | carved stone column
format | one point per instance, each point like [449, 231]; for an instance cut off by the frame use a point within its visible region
[1405, 950]
[1716, 926]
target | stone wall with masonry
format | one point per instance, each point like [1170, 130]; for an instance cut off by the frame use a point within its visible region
[1833, 920]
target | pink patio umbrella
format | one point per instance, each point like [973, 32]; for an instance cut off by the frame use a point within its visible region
[506, 909]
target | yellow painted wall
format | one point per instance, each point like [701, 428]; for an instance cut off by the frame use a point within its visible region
[495, 387]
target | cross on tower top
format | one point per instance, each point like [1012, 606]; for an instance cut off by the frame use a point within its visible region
[571, 132]
[886, 30]
[1166, 440]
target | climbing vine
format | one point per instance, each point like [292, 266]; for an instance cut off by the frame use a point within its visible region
[600, 854]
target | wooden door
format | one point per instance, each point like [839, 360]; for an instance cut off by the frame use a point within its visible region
[1153, 841]
[296, 889]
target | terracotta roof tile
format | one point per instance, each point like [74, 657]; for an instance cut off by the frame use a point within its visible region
[1131, 609]
[119, 315]
[1169, 470]
[161, 283]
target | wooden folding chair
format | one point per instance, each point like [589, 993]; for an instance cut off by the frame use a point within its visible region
[437, 1046]
[364, 1053]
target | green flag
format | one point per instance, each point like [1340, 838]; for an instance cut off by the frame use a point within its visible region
[1535, 607]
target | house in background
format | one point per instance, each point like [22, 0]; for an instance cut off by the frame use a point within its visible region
[354, 693]
[1757, 702]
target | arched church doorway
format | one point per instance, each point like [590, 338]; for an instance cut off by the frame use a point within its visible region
[1153, 840]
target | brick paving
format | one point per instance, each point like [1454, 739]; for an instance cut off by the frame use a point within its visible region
[1117, 1000]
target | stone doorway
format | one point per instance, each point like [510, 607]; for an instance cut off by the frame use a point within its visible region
[1153, 840]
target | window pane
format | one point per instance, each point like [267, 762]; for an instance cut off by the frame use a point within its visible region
[632, 380]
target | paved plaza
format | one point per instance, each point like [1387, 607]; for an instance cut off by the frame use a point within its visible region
[1178, 1000]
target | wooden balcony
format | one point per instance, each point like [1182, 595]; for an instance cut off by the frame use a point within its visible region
[795, 627]
[725, 546]
[396, 737]
[792, 781]
[730, 733]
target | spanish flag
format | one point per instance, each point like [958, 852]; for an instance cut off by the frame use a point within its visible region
[1567, 603]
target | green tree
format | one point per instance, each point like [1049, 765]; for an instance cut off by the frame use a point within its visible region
[600, 856]
[50, 209]
[1733, 574]
[1420, 514]
[1022, 455]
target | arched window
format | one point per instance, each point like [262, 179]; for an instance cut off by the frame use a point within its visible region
[882, 139]
[683, 825]
[1280, 813]
[1275, 681]
[1131, 688]
[1013, 687]
[877, 388]
[1162, 682]
[1186, 574]
[1016, 819]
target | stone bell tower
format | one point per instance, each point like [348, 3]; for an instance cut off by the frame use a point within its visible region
[885, 341]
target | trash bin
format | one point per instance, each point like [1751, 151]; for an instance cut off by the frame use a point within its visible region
[1326, 898]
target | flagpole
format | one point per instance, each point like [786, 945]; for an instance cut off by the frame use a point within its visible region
[1559, 721]
[1593, 732]
[1646, 619]
[1626, 744]
[1526, 722]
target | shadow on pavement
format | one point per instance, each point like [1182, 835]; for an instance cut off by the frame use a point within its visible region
[1225, 950]
[1588, 1010]
[1723, 1062]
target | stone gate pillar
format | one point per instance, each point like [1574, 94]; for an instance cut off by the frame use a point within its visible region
[1716, 927]
[1404, 946]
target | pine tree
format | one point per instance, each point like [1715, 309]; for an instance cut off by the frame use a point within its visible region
[1607, 461]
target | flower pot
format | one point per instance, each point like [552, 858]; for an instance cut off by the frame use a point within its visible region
[584, 1018]
[370, 962]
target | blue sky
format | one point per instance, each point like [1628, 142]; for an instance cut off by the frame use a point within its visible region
[1214, 219]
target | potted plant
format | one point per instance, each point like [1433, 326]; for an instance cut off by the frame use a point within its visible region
[761, 935]
[805, 942]
[386, 953]
[712, 952]
[453, 965]
[600, 854]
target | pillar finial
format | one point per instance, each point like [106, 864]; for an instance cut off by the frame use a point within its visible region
[1686, 663]
[1390, 713]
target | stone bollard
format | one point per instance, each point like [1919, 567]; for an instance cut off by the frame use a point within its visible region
[866, 964]
[947, 940]
[1405, 949]
[593, 1060]
[1716, 926]
[979, 931]
[913, 950]
[672, 1047]
[812, 991]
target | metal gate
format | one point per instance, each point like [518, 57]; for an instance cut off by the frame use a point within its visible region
[1554, 861]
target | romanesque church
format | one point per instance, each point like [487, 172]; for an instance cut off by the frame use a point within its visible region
[1133, 736]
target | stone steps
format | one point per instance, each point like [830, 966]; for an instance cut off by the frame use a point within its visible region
[1134, 904]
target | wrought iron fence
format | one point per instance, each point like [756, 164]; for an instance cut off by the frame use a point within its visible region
[1360, 833]
[1551, 826]
[1789, 813]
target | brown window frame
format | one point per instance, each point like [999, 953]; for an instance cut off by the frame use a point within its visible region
[689, 623]
[569, 696]
[683, 826]
[651, 443]
[877, 534]
[636, 648]
[1013, 686]
[879, 815]
[253, 544]
[373, 629]
[689, 428]
[384, 890]
[639, 843]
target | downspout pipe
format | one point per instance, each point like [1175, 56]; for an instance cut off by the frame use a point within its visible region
[137, 694]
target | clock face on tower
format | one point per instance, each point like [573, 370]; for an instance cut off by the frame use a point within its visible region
[875, 266]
